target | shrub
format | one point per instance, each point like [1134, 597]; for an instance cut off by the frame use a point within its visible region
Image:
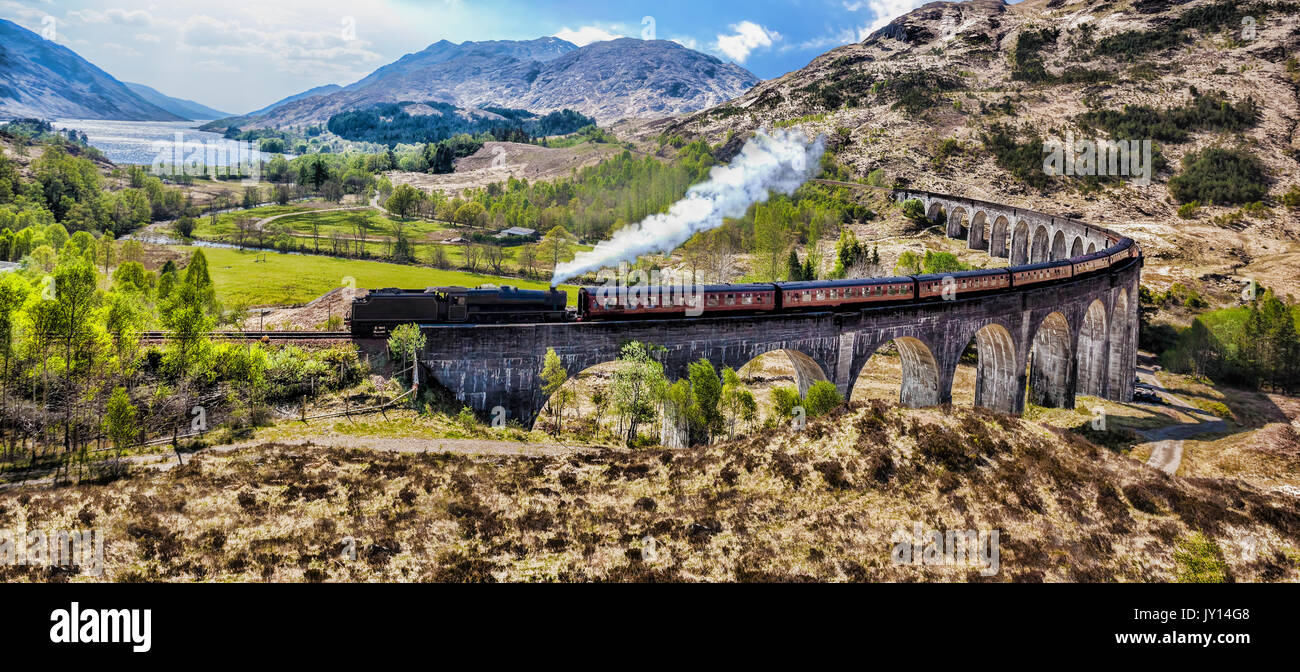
[1188, 210]
[822, 398]
[1023, 159]
[784, 401]
[1200, 560]
[1291, 198]
[1211, 111]
[915, 211]
[1221, 176]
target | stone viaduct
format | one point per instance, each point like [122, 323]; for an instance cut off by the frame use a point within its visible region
[1046, 344]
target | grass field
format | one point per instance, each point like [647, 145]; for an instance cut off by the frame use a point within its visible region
[270, 278]
[379, 231]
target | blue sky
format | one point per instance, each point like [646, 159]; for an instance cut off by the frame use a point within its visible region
[238, 55]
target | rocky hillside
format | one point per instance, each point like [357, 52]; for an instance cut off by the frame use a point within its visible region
[959, 97]
[606, 80]
[43, 79]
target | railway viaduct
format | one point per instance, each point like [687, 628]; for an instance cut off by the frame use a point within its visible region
[1046, 344]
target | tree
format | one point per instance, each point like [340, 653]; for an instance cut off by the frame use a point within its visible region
[473, 254]
[438, 257]
[528, 260]
[123, 318]
[848, 252]
[793, 269]
[495, 256]
[706, 392]
[185, 227]
[403, 200]
[120, 423]
[75, 296]
[636, 384]
[555, 247]
[554, 376]
[197, 276]
[822, 398]
[14, 291]
[914, 210]
[736, 403]
[676, 402]
[405, 341]
[784, 401]
[471, 214]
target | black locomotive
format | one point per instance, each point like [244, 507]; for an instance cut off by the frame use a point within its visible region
[382, 310]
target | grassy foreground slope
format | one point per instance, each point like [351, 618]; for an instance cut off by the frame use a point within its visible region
[271, 278]
[823, 504]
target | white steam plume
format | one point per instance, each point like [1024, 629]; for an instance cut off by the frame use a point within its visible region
[780, 162]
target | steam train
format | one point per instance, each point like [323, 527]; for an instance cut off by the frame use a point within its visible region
[385, 309]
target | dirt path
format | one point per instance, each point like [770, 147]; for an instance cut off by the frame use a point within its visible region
[1167, 451]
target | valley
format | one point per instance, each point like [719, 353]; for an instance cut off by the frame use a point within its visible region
[1134, 421]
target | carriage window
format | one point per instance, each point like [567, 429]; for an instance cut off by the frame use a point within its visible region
[731, 299]
[747, 299]
[712, 300]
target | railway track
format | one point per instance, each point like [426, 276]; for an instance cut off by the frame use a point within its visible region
[257, 335]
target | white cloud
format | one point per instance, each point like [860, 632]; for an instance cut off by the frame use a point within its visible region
[586, 35]
[688, 42]
[147, 37]
[748, 37]
[134, 17]
[883, 11]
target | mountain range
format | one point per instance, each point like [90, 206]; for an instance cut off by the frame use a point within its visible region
[617, 79]
[178, 106]
[43, 79]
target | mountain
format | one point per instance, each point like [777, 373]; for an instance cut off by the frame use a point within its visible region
[41, 78]
[624, 78]
[960, 97]
[178, 106]
[318, 91]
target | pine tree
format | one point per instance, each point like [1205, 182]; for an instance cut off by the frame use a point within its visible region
[793, 269]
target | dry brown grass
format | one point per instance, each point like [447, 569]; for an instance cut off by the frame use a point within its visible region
[821, 505]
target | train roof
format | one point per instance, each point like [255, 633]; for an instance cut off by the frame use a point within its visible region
[744, 287]
[833, 284]
[1041, 265]
[500, 291]
[977, 273]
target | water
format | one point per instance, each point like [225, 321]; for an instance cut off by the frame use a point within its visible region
[142, 142]
[159, 239]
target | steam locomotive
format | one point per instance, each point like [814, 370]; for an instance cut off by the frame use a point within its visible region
[385, 309]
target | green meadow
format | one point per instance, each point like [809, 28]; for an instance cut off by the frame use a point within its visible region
[261, 277]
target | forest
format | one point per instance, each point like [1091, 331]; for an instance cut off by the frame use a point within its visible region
[392, 124]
